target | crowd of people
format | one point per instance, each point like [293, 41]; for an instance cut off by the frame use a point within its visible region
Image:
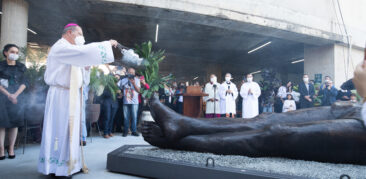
[223, 98]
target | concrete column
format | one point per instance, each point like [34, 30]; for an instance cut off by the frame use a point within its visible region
[319, 60]
[344, 68]
[14, 23]
[331, 60]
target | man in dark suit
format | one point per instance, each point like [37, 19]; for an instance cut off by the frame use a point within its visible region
[307, 93]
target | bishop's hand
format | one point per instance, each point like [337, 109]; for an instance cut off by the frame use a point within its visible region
[114, 43]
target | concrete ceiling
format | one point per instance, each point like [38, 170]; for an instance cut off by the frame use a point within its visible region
[186, 44]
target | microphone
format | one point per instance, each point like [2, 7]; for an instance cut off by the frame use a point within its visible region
[214, 86]
[232, 94]
[228, 87]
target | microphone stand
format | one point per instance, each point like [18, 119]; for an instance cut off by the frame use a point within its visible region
[214, 100]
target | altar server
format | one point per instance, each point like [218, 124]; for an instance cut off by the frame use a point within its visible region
[61, 152]
[228, 94]
[250, 91]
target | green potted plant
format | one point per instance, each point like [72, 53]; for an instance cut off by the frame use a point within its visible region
[268, 84]
[317, 99]
[151, 72]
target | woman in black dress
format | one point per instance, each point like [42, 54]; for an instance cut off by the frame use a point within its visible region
[12, 85]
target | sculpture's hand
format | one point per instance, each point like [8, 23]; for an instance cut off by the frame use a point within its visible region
[359, 79]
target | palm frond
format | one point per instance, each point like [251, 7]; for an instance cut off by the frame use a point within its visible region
[151, 72]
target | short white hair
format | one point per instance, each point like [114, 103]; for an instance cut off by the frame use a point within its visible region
[72, 28]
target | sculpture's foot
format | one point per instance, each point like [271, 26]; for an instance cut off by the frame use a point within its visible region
[153, 134]
[173, 125]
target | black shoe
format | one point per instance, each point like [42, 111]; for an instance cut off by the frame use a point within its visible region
[124, 135]
[2, 158]
[135, 134]
[10, 156]
[84, 143]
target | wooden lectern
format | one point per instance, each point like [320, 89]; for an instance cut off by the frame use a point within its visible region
[192, 101]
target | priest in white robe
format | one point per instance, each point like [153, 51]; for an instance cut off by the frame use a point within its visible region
[250, 91]
[61, 152]
[228, 94]
[213, 98]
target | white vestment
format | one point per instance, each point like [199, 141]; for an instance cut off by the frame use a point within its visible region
[227, 101]
[282, 92]
[213, 93]
[250, 101]
[56, 146]
[289, 105]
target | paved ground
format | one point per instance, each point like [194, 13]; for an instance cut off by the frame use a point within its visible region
[25, 166]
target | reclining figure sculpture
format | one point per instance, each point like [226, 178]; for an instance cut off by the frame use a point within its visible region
[334, 134]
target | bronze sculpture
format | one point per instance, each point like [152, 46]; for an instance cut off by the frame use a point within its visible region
[327, 134]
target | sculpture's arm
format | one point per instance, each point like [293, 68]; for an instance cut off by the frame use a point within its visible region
[307, 141]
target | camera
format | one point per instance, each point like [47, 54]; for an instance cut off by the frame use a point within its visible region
[129, 76]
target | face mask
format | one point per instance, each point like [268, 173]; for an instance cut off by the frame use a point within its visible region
[13, 56]
[79, 40]
[250, 79]
[326, 81]
[227, 79]
[306, 80]
[213, 80]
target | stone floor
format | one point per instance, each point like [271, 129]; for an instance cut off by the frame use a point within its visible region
[25, 166]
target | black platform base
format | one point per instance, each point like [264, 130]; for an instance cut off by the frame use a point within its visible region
[153, 167]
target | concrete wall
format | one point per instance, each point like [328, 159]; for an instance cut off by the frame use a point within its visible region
[319, 60]
[315, 18]
[333, 61]
[343, 71]
[14, 23]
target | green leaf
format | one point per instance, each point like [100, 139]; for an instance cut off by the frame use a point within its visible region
[151, 70]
